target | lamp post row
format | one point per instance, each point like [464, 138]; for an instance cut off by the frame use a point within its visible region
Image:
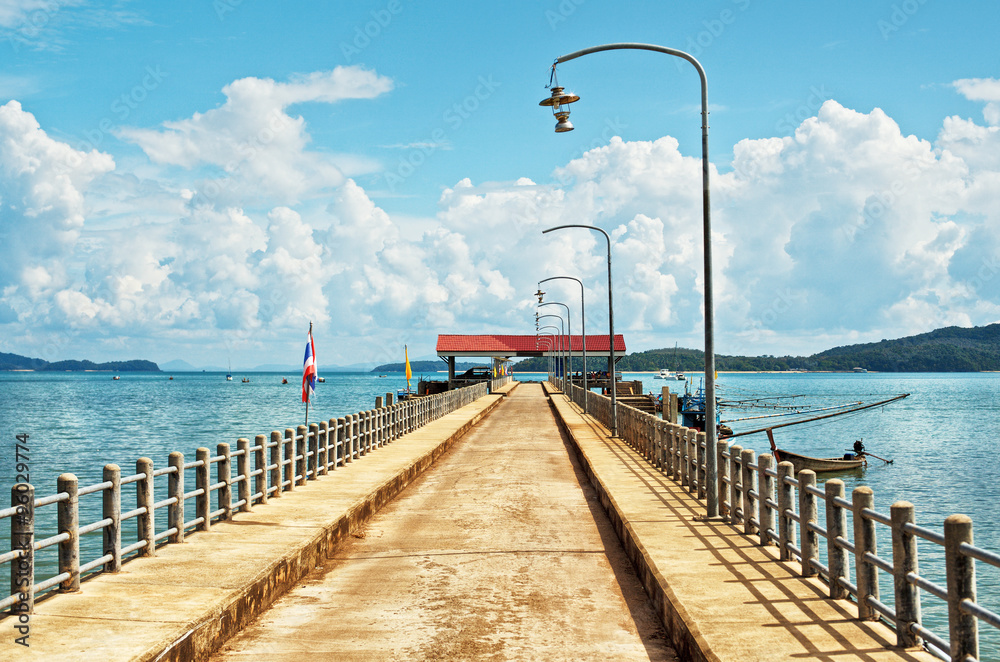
[559, 101]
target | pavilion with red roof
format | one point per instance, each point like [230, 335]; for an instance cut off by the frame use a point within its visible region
[497, 346]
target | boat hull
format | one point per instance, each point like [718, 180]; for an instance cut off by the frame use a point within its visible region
[819, 464]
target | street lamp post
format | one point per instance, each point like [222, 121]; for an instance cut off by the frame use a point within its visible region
[583, 332]
[611, 327]
[560, 101]
[562, 334]
[569, 340]
[546, 349]
[555, 348]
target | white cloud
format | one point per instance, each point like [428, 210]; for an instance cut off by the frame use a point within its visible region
[846, 230]
[252, 147]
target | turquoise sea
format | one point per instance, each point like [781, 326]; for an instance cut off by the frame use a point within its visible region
[942, 438]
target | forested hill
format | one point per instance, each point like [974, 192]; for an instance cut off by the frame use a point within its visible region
[951, 349]
[425, 366]
[17, 362]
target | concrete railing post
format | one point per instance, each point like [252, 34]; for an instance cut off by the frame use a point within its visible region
[69, 523]
[224, 475]
[808, 514]
[862, 498]
[347, 436]
[765, 483]
[22, 537]
[288, 477]
[701, 451]
[722, 465]
[260, 465]
[275, 465]
[904, 563]
[961, 572]
[339, 449]
[146, 523]
[243, 492]
[735, 489]
[786, 498]
[313, 459]
[323, 461]
[301, 454]
[175, 490]
[112, 510]
[749, 490]
[202, 485]
[836, 535]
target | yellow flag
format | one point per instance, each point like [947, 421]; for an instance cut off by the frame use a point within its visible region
[409, 371]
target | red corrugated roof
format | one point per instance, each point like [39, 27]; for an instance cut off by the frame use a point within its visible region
[493, 344]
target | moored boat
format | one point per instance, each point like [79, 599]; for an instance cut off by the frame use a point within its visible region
[819, 464]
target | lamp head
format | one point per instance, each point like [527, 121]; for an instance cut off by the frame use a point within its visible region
[559, 101]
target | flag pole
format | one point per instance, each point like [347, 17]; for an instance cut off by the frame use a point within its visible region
[314, 362]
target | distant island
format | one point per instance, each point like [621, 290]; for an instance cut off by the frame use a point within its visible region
[951, 349]
[10, 362]
[423, 366]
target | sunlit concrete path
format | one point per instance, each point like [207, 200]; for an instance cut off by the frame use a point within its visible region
[499, 552]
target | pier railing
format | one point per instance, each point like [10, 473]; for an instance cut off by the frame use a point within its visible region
[264, 469]
[771, 503]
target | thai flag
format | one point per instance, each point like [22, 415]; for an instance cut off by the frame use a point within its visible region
[309, 371]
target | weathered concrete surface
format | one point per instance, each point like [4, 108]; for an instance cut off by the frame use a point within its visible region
[721, 596]
[499, 553]
[184, 603]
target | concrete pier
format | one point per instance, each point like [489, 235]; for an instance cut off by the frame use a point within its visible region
[501, 552]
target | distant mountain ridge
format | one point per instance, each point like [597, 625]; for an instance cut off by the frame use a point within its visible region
[949, 349]
[424, 366]
[17, 362]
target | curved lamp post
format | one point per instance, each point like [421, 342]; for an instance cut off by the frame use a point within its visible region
[583, 332]
[560, 100]
[611, 326]
[555, 349]
[547, 348]
[562, 334]
[569, 339]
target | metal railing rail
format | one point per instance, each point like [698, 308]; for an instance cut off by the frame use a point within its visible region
[779, 507]
[264, 469]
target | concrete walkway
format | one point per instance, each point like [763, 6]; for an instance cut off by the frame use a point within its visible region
[722, 596]
[498, 553]
[182, 604]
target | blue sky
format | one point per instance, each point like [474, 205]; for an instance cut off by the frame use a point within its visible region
[196, 179]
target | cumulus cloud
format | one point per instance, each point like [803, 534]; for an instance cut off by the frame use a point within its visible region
[43, 183]
[846, 230]
[252, 146]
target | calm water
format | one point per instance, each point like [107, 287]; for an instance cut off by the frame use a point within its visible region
[942, 438]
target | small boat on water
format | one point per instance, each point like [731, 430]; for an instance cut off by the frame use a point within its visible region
[819, 464]
[848, 462]
[664, 374]
[321, 380]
